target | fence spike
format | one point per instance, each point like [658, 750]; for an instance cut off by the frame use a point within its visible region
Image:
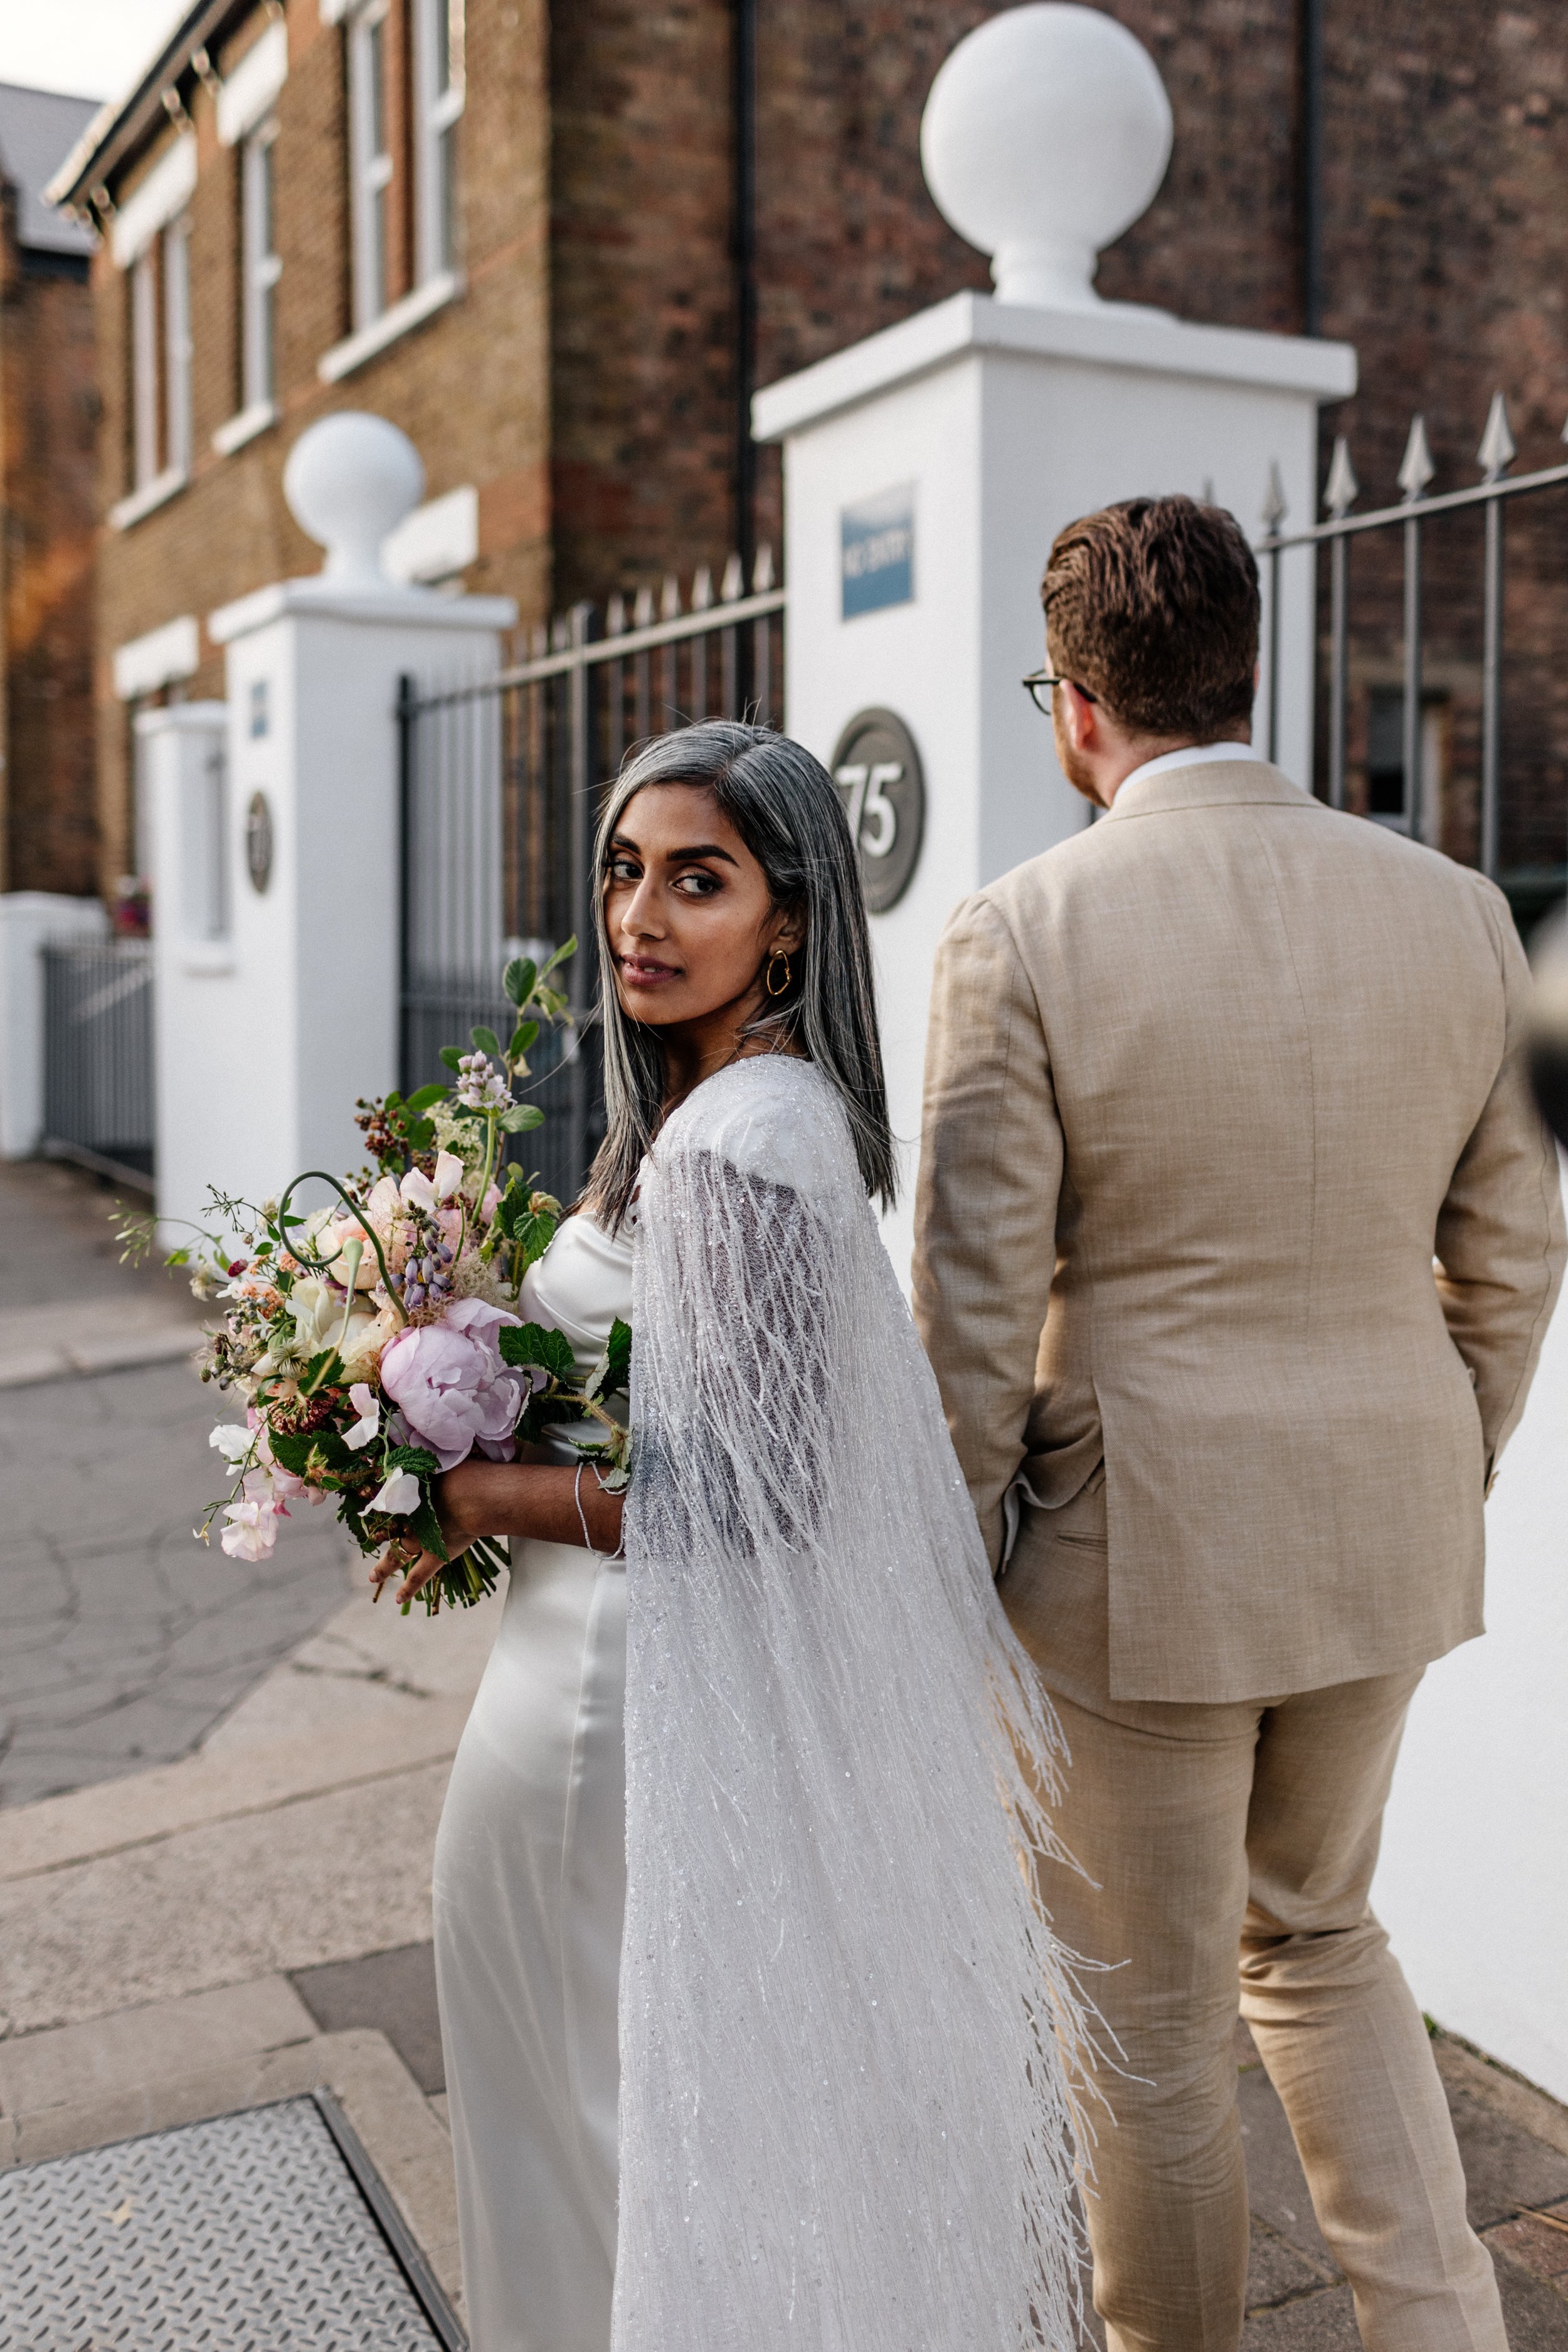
[1415, 467]
[642, 610]
[733, 587]
[762, 569]
[1342, 489]
[702, 588]
[560, 633]
[1497, 449]
[669, 603]
[1274, 510]
[615, 616]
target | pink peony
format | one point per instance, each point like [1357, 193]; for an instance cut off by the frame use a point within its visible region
[451, 1386]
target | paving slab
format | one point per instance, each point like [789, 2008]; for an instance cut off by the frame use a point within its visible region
[132, 1638]
[392, 1992]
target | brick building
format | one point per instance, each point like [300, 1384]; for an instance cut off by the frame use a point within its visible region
[560, 247]
[49, 508]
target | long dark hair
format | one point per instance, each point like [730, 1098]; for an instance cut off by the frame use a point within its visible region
[783, 803]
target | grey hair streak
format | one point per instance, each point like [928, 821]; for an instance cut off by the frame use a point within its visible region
[783, 803]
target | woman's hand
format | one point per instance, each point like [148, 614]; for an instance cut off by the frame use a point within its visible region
[406, 1558]
[546, 1501]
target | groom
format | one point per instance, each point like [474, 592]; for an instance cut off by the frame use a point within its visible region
[1238, 1235]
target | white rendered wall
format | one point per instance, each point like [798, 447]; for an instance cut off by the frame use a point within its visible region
[199, 1062]
[1473, 1885]
[1005, 444]
[29, 919]
[266, 1040]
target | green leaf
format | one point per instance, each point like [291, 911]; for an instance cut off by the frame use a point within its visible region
[422, 1101]
[520, 1118]
[417, 1458]
[530, 1345]
[424, 1524]
[322, 1372]
[292, 1452]
[518, 979]
[485, 1041]
[567, 947]
[522, 1037]
[618, 1348]
[421, 1134]
[450, 1056]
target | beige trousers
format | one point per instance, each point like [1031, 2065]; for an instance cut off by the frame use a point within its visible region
[1246, 1830]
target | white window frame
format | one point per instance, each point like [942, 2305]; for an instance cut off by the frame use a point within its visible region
[262, 269]
[370, 159]
[145, 425]
[437, 25]
[176, 272]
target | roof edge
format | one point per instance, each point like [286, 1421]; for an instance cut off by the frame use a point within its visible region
[120, 123]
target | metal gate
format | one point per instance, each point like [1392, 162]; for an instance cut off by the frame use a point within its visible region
[98, 1056]
[500, 780]
[1420, 714]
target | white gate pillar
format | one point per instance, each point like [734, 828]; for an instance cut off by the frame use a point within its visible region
[928, 470]
[286, 1008]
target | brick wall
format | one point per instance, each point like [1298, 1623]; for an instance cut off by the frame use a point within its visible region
[470, 385]
[48, 416]
[586, 381]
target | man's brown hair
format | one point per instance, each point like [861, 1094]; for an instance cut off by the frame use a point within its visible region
[1153, 606]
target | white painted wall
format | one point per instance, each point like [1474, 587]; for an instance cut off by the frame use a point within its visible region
[29, 919]
[267, 1037]
[1010, 422]
[1473, 1885]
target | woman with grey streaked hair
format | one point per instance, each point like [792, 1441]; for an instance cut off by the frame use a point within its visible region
[756, 2041]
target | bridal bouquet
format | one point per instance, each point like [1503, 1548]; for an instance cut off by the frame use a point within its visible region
[376, 1340]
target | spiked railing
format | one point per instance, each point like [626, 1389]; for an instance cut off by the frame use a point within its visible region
[500, 777]
[1416, 510]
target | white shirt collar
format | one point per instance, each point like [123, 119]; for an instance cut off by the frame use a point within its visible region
[1191, 755]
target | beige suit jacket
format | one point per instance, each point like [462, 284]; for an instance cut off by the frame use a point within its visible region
[1209, 1088]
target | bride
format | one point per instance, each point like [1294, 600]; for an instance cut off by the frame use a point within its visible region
[755, 2035]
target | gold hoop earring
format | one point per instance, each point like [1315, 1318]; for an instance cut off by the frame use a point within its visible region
[778, 955]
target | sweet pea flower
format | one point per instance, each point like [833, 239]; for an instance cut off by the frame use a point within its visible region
[452, 1387]
[233, 1442]
[252, 1529]
[383, 1203]
[367, 1404]
[401, 1493]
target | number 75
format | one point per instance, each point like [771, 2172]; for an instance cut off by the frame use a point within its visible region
[868, 800]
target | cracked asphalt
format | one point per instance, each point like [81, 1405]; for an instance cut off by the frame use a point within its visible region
[124, 1640]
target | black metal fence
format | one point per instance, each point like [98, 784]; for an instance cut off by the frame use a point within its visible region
[500, 780]
[1465, 759]
[98, 1056]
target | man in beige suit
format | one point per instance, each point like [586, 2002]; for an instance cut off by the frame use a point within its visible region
[1238, 1235]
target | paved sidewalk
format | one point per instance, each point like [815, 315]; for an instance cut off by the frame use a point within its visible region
[125, 1638]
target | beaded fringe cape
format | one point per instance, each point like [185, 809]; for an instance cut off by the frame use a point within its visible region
[847, 2120]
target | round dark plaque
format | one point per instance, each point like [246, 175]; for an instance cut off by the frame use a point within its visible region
[877, 772]
[259, 842]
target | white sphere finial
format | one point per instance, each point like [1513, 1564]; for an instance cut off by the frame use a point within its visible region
[1047, 133]
[350, 481]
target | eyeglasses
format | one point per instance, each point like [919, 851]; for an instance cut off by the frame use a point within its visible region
[1038, 684]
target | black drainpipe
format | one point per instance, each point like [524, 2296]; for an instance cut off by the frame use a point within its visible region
[1311, 165]
[743, 53]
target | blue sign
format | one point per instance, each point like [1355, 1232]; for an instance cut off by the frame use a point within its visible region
[878, 541]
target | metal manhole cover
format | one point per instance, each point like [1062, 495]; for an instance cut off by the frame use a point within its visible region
[248, 2234]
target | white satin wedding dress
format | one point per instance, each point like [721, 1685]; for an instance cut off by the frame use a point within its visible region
[845, 2120]
[529, 1889]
